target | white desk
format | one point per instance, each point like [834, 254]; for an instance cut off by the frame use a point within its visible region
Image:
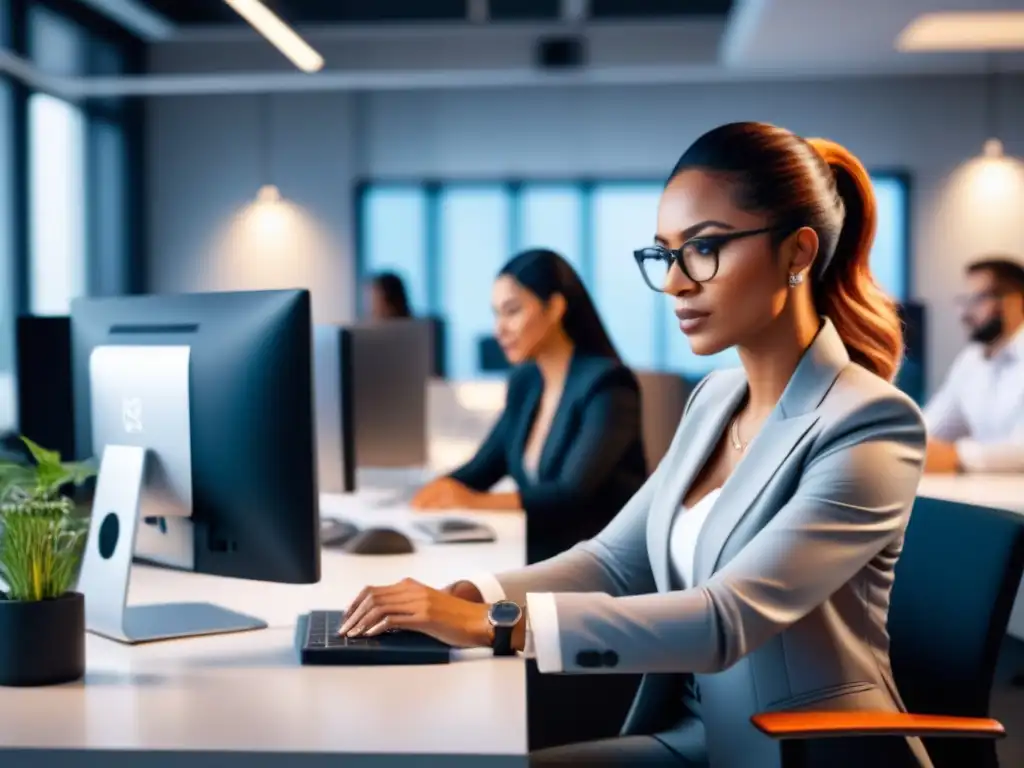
[1002, 492]
[248, 695]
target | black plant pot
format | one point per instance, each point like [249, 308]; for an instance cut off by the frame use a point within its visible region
[42, 643]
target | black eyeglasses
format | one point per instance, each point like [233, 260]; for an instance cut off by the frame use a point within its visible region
[697, 257]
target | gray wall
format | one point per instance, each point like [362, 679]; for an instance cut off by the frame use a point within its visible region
[205, 160]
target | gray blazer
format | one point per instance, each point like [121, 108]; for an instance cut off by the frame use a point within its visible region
[793, 567]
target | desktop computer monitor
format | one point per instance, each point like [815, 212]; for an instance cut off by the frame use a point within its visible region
[200, 409]
[371, 398]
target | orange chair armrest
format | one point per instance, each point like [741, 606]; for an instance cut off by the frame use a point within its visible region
[810, 725]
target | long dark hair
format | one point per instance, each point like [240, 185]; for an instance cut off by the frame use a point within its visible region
[818, 184]
[544, 273]
[392, 289]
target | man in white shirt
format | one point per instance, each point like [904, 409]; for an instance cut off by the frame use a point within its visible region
[976, 420]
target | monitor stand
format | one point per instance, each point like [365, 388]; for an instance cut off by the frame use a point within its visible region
[107, 563]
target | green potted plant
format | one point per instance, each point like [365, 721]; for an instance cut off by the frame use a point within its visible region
[42, 620]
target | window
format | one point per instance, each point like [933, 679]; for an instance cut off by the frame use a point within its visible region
[79, 227]
[56, 45]
[57, 200]
[449, 240]
[473, 236]
[550, 216]
[393, 238]
[108, 208]
[889, 256]
[7, 271]
[57, 222]
[623, 220]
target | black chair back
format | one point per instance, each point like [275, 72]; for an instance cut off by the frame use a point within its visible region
[956, 582]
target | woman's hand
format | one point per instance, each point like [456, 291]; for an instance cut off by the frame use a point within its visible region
[465, 590]
[411, 605]
[445, 493]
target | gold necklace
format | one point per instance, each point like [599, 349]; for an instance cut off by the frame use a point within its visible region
[734, 436]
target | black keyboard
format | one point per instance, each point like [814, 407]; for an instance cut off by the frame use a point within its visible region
[319, 643]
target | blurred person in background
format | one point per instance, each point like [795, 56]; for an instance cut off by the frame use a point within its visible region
[570, 432]
[976, 419]
[388, 299]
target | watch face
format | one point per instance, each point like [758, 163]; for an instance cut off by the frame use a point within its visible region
[505, 613]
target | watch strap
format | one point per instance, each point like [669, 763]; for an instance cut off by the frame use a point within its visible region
[502, 642]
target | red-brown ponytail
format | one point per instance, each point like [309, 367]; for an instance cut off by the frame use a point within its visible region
[865, 317]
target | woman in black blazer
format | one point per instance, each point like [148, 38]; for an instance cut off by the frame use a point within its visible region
[570, 433]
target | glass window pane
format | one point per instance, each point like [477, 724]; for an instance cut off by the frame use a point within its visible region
[551, 216]
[57, 200]
[394, 238]
[7, 409]
[889, 255]
[474, 237]
[624, 217]
[109, 254]
[105, 58]
[56, 45]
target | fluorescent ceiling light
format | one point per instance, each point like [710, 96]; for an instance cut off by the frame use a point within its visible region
[964, 31]
[283, 37]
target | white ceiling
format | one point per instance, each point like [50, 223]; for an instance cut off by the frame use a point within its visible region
[761, 40]
[856, 36]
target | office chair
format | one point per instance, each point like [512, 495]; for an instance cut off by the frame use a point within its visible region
[662, 400]
[956, 582]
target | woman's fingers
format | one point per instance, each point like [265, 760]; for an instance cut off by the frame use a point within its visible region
[395, 621]
[388, 612]
[353, 608]
[367, 599]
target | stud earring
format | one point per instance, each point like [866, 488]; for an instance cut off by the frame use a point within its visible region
[796, 279]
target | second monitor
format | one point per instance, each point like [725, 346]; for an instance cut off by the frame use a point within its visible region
[371, 398]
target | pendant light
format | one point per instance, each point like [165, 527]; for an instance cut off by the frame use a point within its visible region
[993, 146]
[268, 193]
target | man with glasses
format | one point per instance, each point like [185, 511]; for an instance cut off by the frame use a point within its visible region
[976, 420]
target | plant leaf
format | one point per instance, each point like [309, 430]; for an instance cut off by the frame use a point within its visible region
[43, 456]
[41, 553]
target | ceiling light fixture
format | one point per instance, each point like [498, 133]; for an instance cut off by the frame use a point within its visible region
[964, 31]
[280, 35]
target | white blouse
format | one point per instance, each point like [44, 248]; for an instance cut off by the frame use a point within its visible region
[682, 538]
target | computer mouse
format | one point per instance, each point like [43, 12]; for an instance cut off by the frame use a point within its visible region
[379, 541]
[336, 533]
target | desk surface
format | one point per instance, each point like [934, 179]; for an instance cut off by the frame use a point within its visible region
[997, 491]
[248, 693]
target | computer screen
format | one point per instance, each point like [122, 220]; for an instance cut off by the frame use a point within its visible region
[217, 390]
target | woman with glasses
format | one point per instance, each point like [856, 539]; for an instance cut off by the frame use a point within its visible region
[753, 570]
[570, 432]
